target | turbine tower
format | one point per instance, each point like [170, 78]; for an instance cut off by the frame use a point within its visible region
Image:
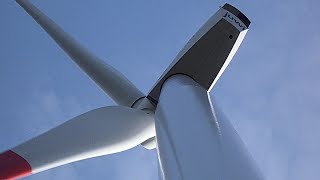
[193, 139]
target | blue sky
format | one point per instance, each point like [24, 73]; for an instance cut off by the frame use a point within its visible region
[270, 91]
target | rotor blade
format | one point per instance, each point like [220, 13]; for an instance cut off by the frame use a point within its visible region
[194, 140]
[98, 132]
[116, 85]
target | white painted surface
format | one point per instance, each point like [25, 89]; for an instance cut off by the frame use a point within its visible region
[98, 132]
[115, 84]
[194, 140]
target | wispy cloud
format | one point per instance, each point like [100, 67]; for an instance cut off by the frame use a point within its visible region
[272, 95]
[46, 109]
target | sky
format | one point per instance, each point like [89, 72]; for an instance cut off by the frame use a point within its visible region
[269, 92]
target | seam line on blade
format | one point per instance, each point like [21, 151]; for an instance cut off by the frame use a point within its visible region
[135, 102]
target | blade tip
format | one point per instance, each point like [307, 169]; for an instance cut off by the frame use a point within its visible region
[13, 166]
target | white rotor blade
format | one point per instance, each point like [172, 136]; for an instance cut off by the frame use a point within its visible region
[194, 141]
[116, 85]
[98, 132]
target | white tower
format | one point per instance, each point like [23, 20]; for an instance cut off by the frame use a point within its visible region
[193, 139]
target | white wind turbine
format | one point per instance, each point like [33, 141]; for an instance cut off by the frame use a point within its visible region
[177, 117]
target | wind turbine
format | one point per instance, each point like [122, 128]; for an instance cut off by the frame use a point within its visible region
[193, 139]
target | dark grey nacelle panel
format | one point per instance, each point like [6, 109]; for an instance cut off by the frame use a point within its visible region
[209, 51]
[237, 13]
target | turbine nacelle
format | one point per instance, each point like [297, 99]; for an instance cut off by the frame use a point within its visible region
[114, 129]
[209, 51]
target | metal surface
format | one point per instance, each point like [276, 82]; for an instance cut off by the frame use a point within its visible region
[208, 52]
[194, 140]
